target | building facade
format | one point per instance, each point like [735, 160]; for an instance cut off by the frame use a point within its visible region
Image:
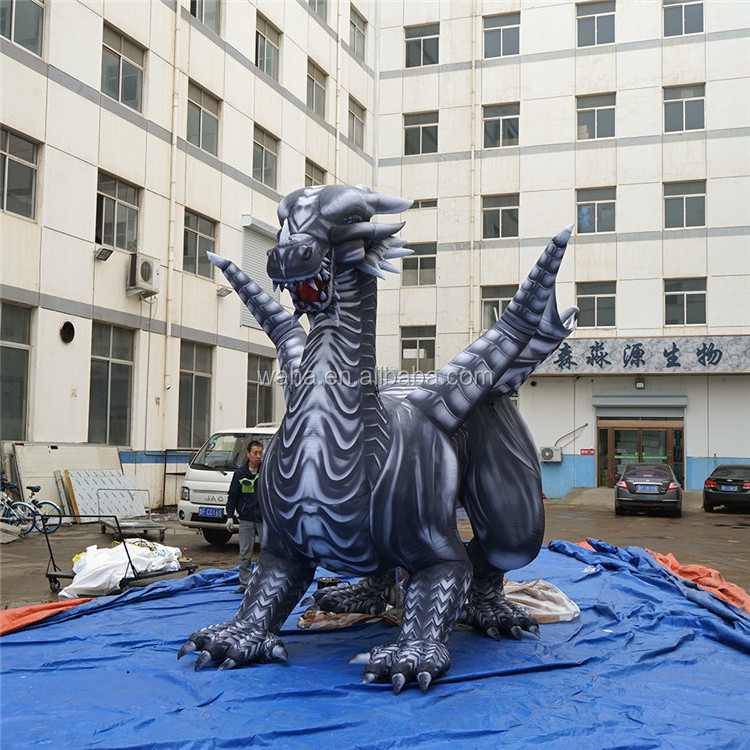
[136, 136]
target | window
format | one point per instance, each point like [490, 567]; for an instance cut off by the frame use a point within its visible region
[501, 125]
[195, 395]
[501, 35]
[15, 345]
[314, 175]
[421, 133]
[684, 108]
[684, 204]
[207, 11]
[111, 384]
[419, 268]
[259, 390]
[18, 167]
[424, 203]
[116, 213]
[596, 300]
[422, 45]
[22, 21]
[203, 120]
[596, 210]
[320, 7]
[356, 123]
[596, 116]
[684, 302]
[494, 301]
[596, 23]
[316, 89]
[682, 18]
[267, 45]
[265, 157]
[357, 33]
[122, 69]
[199, 237]
[499, 216]
[418, 348]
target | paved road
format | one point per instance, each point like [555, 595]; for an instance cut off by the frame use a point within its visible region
[719, 540]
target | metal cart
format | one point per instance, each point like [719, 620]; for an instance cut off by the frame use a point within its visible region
[55, 574]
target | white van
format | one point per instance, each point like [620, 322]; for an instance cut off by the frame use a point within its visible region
[203, 497]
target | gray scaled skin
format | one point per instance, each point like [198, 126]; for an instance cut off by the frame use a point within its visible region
[364, 478]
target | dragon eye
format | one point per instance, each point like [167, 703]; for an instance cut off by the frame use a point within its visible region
[351, 220]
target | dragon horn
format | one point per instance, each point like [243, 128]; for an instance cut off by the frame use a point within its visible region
[382, 203]
[282, 328]
[470, 376]
[362, 230]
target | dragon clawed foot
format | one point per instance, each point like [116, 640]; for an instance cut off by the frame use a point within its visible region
[407, 661]
[233, 644]
[370, 596]
[492, 613]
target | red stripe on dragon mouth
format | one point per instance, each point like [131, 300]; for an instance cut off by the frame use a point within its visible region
[307, 293]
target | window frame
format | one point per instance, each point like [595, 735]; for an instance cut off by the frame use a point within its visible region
[268, 62]
[682, 5]
[16, 345]
[16, 162]
[198, 101]
[599, 105]
[418, 47]
[425, 125]
[317, 82]
[494, 299]
[501, 27]
[120, 203]
[585, 290]
[203, 230]
[357, 33]
[421, 265]
[262, 390]
[320, 8]
[194, 375]
[504, 115]
[356, 121]
[111, 361]
[600, 200]
[418, 335]
[503, 204]
[682, 97]
[698, 295]
[423, 203]
[265, 171]
[598, 12]
[12, 27]
[125, 42]
[314, 174]
[198, 10]
[688, 193]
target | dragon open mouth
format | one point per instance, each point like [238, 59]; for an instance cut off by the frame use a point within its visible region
[314, 294]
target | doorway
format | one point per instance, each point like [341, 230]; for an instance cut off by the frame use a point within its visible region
[630, 441]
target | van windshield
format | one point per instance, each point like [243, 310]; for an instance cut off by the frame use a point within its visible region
[225, 452]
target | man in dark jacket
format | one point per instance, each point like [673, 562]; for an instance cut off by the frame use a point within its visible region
[242, 497]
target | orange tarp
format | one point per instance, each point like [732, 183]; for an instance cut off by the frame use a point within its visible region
[19, 617]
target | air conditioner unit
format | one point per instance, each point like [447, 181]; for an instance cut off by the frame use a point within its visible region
[143, 275]
[551, 454]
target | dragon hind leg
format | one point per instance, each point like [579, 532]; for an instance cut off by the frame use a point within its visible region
[434, 600]
[370, 596]
[274, 588]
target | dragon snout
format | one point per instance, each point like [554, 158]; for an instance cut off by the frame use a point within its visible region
[298, 258]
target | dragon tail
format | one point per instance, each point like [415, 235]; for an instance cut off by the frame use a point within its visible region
[285, 332]
[474, 373]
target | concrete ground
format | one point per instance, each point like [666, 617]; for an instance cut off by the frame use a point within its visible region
[719, 540]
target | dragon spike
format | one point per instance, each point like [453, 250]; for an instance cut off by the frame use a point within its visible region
[386, 266]
[282, 328]
[467, 379]
[363, 230]
[402, 252]
[284, 233]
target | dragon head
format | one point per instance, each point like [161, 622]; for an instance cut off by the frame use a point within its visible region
[326, 230]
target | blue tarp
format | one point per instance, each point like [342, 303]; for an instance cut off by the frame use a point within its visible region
[652, 662]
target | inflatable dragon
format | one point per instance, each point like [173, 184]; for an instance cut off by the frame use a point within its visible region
[364, 478]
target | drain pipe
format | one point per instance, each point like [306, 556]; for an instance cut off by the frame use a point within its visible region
[472, 182]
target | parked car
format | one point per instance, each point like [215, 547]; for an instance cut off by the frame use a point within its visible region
[648, 487]
[728, 485]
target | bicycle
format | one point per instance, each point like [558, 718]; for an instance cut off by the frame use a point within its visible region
[47, 515]
[15, 513]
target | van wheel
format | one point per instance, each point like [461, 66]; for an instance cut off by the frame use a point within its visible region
[218, 537]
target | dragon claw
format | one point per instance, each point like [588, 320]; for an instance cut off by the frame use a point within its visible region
[368, 677]
[516, 632]
[202, 660]
[398, 681]
[407, 661]
[187, 648]
[424, 679]
[493, 632]
[490, 611]
[227, 664]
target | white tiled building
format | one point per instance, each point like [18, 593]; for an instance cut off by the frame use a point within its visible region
[157, 129]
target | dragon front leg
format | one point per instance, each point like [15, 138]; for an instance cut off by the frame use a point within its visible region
[274, 588]
[434, 599]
